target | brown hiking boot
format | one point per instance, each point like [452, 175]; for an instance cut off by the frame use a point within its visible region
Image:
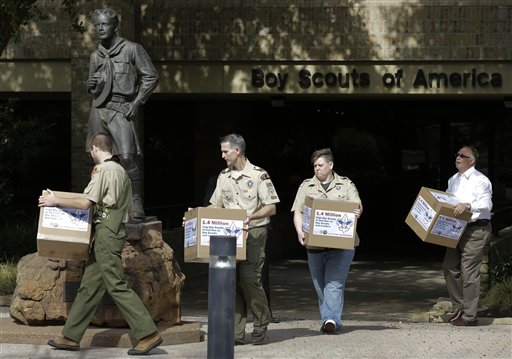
[259, 337]
[64, 343]
[146, 344]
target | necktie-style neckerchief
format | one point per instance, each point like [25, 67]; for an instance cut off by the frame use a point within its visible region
[108, 66]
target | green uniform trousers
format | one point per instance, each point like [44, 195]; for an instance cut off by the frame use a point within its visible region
[104, 272]
[249, 290]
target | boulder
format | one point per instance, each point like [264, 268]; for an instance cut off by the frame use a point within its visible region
[42, 289]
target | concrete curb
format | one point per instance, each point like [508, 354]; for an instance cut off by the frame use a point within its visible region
[14, 333]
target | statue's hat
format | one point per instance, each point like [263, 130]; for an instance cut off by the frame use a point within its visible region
[103, 87]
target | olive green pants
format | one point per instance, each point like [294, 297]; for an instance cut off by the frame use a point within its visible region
[104, 272]
[249, 290]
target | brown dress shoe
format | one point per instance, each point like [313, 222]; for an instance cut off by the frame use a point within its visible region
[64, 343]
[146, 344]
[461, 322]
[457, 315]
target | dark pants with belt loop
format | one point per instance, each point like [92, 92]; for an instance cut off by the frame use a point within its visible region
[462, 268]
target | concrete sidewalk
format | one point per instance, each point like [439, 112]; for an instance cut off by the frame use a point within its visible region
[384, 302]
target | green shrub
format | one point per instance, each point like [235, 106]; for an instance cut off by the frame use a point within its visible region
[500, 296]
[7, 277]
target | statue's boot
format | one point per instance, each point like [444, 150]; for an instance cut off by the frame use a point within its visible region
[138, 205]
[138, 208]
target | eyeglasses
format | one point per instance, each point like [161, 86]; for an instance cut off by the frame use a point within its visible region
[462, 156]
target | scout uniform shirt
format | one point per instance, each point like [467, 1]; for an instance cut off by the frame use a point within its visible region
[340, 188]
[249, 189]
[110, 189]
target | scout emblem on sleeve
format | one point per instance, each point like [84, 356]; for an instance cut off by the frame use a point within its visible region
[95, 170]
[264, 176]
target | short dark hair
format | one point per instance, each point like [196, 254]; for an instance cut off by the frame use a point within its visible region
[325, 153]
[103, 141]
[235, 141]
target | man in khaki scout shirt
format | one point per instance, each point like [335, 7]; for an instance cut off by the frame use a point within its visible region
[110, 193]
[243, 185]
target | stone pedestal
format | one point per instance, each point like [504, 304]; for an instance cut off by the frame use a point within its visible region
[46, 287]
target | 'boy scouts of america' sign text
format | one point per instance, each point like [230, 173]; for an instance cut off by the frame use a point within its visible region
[460, 78]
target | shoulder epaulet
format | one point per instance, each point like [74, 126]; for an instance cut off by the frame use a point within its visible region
[256, 168]
[305, 182]
[225, 170]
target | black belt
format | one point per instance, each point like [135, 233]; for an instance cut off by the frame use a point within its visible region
[479, 223]
[121, 99]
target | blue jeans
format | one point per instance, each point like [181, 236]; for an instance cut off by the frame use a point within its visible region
[329, 271]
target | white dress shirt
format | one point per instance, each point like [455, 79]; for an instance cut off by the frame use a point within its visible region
[473, 187]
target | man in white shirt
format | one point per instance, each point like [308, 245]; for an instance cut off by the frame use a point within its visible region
[462, 264]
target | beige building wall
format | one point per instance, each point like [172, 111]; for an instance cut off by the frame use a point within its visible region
[213, 46]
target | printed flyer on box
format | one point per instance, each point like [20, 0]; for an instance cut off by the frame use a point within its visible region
[306, 219]
[191, 232]
[445, 198]
[448, 227]
[72, 219]
[334, 223]
[423, 213]
[221, 227]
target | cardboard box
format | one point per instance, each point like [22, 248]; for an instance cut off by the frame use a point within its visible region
[64, 232]
[329, 223]
[203, 222]
[431, 218]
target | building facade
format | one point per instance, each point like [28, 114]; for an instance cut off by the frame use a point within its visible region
[394, 87]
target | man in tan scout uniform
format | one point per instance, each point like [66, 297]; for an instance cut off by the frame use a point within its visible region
[243, 185]
[110, 192]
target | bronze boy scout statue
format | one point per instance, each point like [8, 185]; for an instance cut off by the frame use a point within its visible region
[121, 79]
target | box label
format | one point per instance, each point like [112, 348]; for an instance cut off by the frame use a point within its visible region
[221, 227]
[72, 219]
[191, 232]
[334, 223]
[445, 198]
[306, 218]
[423, 213]
[448, 227]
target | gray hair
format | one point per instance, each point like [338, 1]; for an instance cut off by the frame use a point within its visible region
[474, 151]
[235, 141]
